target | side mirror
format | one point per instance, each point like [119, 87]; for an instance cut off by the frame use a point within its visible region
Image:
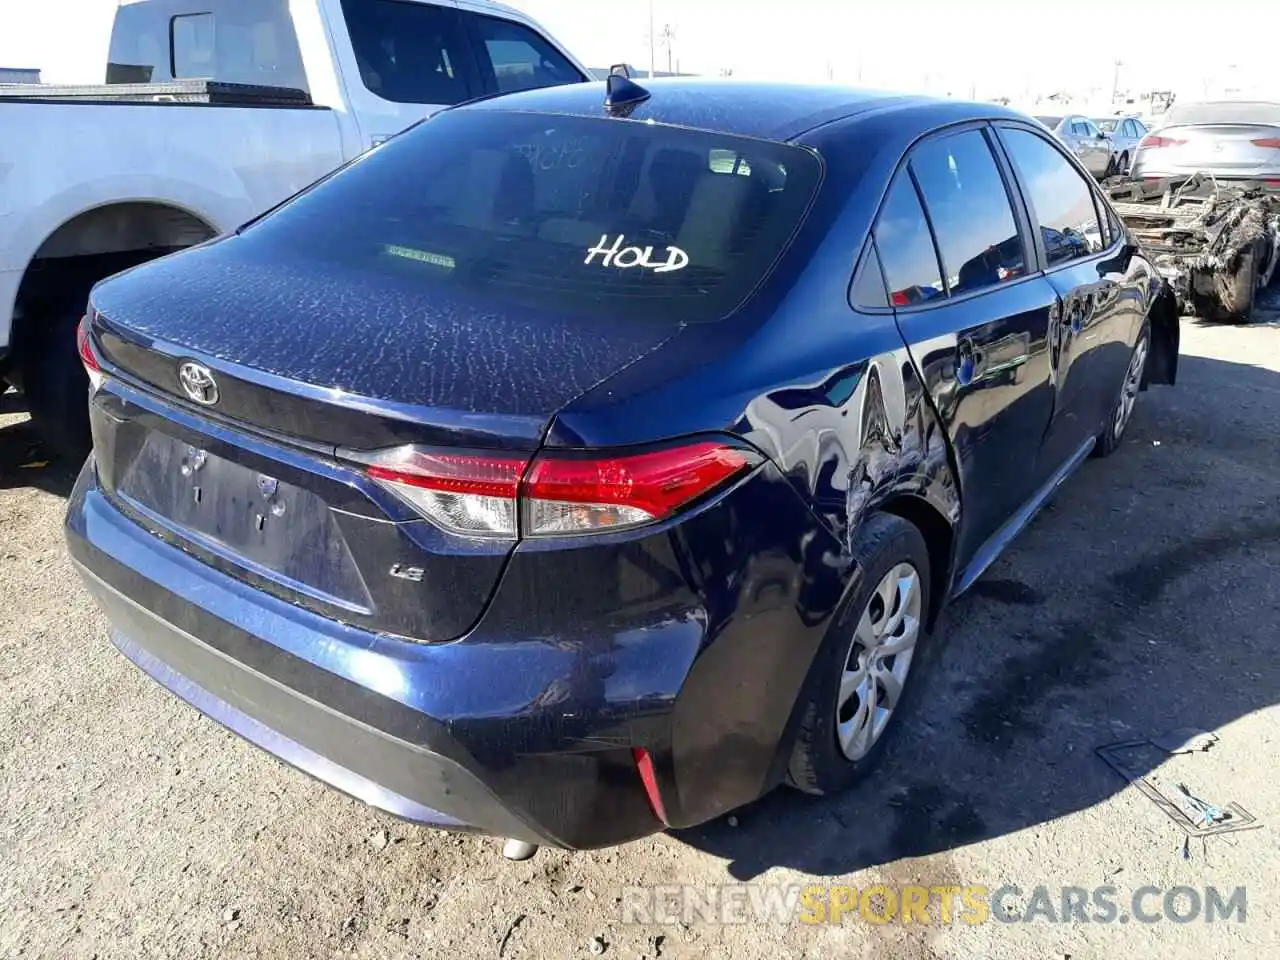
[1101, 135]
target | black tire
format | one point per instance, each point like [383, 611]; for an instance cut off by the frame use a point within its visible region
[1123, 168]
[1110, 438]
[57, 389]
[818, 765]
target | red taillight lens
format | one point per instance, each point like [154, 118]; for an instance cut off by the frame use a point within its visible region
[468, 495]
[567, 496]
[493, 496]
[1152, 142]
[84, 346]
[1272, 143]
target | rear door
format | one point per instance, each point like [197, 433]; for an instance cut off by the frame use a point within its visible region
[1099, 304]
[975, 315]
[1095, 148]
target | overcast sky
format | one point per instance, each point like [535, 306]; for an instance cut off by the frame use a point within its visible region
[989, 47]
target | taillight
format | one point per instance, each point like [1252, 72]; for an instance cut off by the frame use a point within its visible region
[1272, 143]
[557, 495]
[1151, 142]
[474, 496]
[84, 346]
[595, 493]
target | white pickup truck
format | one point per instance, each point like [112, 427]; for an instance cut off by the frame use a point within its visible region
[212, 112]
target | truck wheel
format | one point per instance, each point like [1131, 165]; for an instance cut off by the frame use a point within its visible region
[867, 672]
[57, 390]
[1229, 297]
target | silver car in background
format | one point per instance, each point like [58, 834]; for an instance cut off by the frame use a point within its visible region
[1125, 133]
[1230, 140]
[1091, 146]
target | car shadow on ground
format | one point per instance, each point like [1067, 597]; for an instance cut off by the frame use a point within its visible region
[24, 461]
[1138, 602]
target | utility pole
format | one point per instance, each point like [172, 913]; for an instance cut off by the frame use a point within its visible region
[652, 41]
[668, 40]
[1115, 81]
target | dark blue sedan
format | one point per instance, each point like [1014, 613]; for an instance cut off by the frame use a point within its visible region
[567, 471]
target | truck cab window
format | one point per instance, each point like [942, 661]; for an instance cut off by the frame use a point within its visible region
[249, 42]
[519, 58]
[193, 45]
[410, 52]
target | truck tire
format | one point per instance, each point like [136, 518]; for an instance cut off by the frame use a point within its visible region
[1228, 297]
[57, 389]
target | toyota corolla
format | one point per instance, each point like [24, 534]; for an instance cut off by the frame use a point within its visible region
[586, 462]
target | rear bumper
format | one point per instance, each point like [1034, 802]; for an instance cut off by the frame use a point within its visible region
[525, 727]
[397, 776]
[203, 636]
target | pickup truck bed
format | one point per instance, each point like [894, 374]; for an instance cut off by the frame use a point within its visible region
[173, 91]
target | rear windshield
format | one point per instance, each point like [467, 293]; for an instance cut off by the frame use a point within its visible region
[604, 217]
[1226, 112]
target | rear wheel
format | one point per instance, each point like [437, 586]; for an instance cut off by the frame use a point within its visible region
[864, 678]
[1111, 435]
[57, 388]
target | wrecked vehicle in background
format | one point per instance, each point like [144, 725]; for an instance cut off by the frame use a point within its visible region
[1217, 242]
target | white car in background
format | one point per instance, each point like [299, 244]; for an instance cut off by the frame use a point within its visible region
[212, 112]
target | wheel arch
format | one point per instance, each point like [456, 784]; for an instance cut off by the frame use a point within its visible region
[94, 243]
[939, 537]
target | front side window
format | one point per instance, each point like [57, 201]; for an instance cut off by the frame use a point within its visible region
[520, 58]
[410, 52]
[591, 217]
[969, 207]
[1062, 201]
[907, 254]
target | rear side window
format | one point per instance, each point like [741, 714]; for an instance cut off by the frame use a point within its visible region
[519, 58]
[868, 282]
[1061, 200]
[598, 217]
[969, 208]
[410, 52]
[233, 41]
[906, 248]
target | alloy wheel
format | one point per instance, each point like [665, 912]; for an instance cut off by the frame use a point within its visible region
[879, 658]
[1132, 386]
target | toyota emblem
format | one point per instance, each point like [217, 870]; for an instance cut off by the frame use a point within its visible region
[198, 383]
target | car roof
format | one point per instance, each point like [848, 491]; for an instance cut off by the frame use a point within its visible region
[774, 111]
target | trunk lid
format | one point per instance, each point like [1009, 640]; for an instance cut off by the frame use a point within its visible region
[1228, 148]
[331, 356]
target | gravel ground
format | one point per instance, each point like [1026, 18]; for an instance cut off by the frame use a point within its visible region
[1142, 600]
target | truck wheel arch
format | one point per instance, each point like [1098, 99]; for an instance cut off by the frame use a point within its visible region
[95, 243]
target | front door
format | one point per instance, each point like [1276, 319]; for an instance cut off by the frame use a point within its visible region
[975, 318]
